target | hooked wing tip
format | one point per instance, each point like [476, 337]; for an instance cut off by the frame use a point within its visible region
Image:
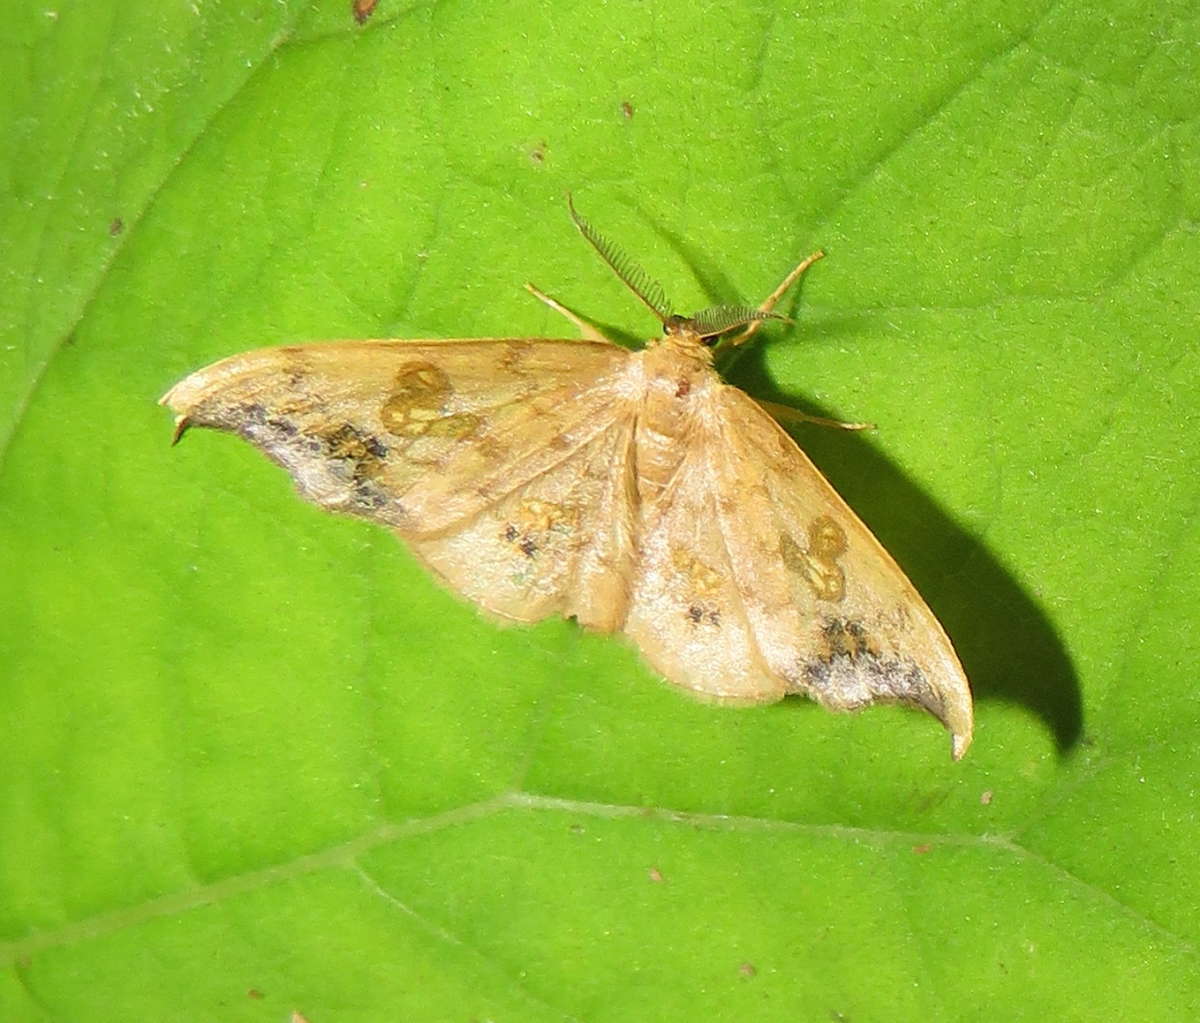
[181, 427]
[953, 705]
[961, 743]
[958, 715]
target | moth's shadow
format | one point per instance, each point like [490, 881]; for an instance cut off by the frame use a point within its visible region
[1007, 645]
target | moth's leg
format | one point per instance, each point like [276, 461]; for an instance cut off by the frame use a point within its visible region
[769, 302]
[786, 413]
[589, 332]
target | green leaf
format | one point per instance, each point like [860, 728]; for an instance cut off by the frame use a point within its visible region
[255, 761]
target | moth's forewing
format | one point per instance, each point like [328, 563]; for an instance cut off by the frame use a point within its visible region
[417, 435]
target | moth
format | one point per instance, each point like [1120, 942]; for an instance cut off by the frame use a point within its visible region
[631, 490]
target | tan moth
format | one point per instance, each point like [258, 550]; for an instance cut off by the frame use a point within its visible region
[634, 491]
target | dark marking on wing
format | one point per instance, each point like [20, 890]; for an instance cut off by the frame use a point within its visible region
[700, 613]
[851, 672]
[848, 638]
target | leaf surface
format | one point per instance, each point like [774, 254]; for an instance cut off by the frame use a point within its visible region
[256, 761]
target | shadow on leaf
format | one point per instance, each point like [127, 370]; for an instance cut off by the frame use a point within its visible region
[1008, 647]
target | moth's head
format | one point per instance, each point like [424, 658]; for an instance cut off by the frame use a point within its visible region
[681, 333]
[702, 330]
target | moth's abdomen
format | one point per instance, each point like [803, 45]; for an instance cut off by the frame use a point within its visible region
[676, 390]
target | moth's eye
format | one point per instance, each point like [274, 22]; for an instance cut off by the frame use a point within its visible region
[672, 324]
[711, 340]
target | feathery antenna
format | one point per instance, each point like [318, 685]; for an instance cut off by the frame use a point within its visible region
[632, 276]
[722, 318]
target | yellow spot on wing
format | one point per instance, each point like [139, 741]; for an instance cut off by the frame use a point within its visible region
[704, 580]
[817, 565]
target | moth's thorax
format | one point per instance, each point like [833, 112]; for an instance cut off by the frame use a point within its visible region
[677, 388]
[679, 336]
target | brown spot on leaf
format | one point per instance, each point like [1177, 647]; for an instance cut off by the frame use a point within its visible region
[363, 9]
